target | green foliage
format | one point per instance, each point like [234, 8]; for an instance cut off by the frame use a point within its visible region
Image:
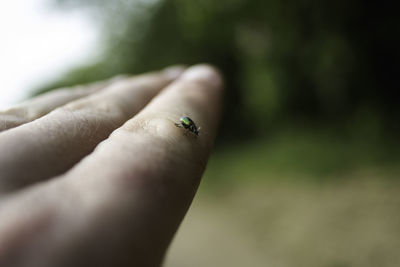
[297, 153]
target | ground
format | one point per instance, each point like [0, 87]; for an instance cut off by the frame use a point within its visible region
[350, 221]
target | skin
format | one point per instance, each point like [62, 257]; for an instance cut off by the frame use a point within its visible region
[106, 179]
[37, 107]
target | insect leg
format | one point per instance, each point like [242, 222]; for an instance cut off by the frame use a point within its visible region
[178, 125]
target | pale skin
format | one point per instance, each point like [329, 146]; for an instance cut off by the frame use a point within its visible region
[103, 177]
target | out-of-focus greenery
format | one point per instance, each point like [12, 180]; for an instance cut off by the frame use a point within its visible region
[317, 62]
[302, 155]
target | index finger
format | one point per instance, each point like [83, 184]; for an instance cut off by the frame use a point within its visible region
[142, 179]
[153, 134]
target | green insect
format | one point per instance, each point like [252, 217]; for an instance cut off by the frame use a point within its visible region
[188, 124]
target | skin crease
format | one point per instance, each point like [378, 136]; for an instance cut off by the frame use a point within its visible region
[121, 204]
[39, 106]
[73, 131]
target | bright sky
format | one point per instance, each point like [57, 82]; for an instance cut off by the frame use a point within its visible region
[37, 44]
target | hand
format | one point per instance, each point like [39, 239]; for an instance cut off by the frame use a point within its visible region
[68, 200]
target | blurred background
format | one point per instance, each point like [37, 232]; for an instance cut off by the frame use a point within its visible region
[306, 166]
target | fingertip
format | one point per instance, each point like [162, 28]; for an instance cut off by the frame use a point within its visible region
[173, 72]
[204, 73]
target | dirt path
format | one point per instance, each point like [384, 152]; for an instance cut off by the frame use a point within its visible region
[335, 224]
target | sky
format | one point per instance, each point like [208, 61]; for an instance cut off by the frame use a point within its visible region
[39, 43]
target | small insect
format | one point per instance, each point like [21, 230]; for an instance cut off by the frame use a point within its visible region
[188, 124]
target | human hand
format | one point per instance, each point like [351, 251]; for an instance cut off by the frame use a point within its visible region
[68, 200]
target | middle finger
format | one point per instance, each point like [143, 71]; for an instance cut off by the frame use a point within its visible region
[52, 144]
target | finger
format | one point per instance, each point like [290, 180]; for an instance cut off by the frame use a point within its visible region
[52, 144]
[38, 106]
[122, 204]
